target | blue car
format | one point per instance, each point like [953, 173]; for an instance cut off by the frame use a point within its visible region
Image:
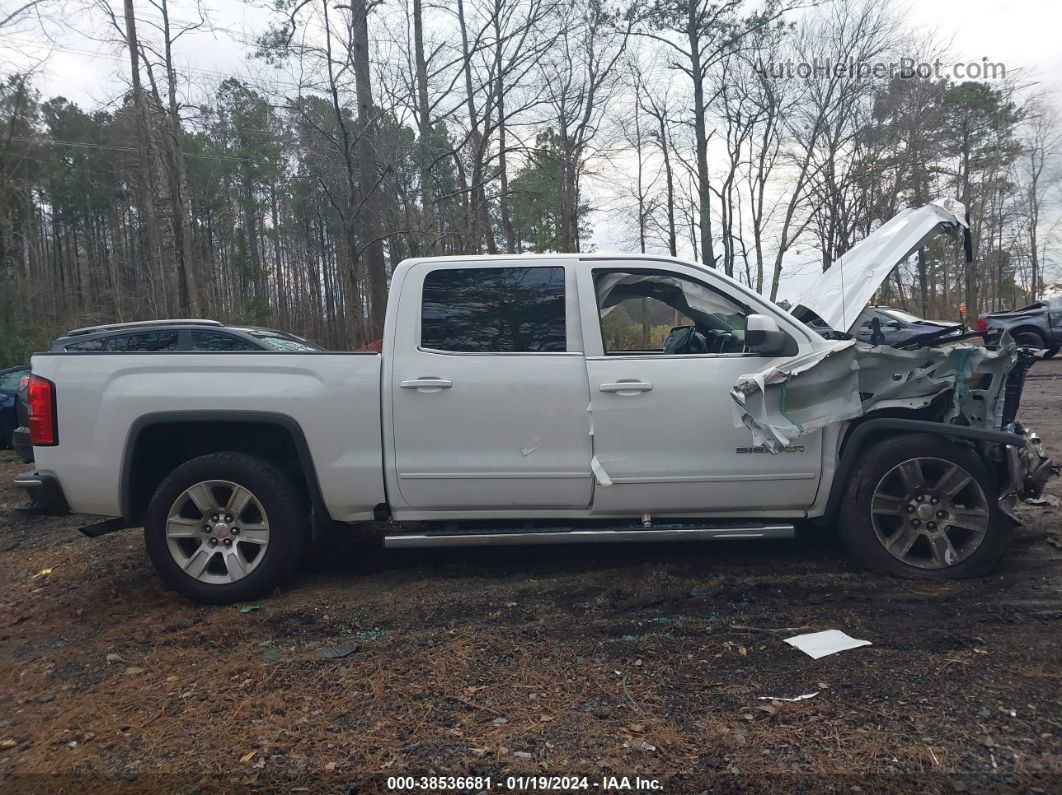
[9, 379]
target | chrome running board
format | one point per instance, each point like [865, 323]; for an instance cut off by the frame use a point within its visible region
[510, 537]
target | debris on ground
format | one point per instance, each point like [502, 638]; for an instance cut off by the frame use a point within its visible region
[790, 698]
[821, 644]
[250, 608]
[338, 652]
[1049, 500]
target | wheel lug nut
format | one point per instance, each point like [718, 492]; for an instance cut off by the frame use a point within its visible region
[910, 509]
[934, 500]
[228, 542]
[915, 523]
[235, 531]
[932, 525]
[213, 542]
[941, 514]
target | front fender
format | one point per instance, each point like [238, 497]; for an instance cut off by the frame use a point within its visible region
[859, 435]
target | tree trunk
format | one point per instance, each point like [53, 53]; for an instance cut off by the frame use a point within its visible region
[181, 196]
[370, 197]
[424, 127]
[147, 197]
[704, 206]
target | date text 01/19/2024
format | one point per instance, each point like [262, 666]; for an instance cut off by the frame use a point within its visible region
[521, 783]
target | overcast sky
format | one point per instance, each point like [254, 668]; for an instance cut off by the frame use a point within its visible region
[88, 68]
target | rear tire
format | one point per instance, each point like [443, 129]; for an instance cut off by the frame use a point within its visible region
[922, 507]
[225, 527]
[1029, 338]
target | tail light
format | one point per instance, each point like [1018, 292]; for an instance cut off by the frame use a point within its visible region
[982, 324]
[43, 421]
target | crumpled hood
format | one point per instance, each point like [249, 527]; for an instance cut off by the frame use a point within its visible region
[841, 293]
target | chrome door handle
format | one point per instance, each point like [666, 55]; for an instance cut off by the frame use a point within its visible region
[427, 384]
[627, 387]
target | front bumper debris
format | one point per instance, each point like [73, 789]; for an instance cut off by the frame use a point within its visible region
[1031, 468]
[1028, 469]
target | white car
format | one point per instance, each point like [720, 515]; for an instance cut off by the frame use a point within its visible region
[551, 399]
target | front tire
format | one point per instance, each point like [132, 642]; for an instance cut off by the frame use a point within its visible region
[922, 507]
[225, 527]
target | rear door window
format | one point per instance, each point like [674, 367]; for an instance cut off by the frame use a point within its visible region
[220, 341]
[494, 310]
[144, 341]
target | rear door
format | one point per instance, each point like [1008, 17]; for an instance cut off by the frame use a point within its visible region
[489, 390]
[666, 434]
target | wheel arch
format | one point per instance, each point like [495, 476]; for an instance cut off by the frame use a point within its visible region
[159, 442]
[863, 435]
[1030, 327]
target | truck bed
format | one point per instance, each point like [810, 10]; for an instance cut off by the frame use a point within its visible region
[333, 397]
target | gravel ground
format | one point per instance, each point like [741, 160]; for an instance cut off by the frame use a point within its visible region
[642, 660]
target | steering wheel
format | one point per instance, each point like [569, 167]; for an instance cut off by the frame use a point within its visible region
[685, 339]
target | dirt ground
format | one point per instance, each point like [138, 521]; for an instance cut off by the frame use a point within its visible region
[604, 661]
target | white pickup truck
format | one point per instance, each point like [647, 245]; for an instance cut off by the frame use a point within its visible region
[553, 399]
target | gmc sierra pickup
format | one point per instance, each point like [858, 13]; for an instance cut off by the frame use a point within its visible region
[554, 399]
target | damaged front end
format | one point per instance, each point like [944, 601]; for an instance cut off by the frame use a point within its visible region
[954, 385]
[950, 383]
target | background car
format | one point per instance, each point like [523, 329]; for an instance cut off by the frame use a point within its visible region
[1038, 325]
[153, 335]
[895, 327]
[20, 437]
[9, 379]
[179, 335]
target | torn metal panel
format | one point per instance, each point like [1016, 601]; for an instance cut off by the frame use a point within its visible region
[839, 296]
[851, 379]
[799, 395]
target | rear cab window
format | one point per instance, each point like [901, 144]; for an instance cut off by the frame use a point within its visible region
[494, 310]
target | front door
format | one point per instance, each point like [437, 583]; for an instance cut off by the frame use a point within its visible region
[664, 350]
[489, 390]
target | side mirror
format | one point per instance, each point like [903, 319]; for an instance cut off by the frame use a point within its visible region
[893, 323]
[763, 336]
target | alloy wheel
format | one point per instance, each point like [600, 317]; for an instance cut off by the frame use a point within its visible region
[929, 513]
[217, 531]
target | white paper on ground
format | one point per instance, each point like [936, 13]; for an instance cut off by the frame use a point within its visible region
[830, 641]
[793, 698]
